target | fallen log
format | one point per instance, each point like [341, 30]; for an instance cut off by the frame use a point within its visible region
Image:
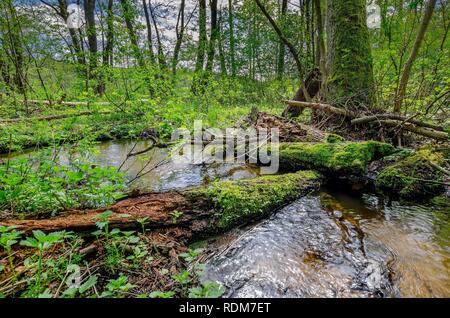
[210, 209]
[53, 117]
[414, 126]
[65, 103]
[368, 119]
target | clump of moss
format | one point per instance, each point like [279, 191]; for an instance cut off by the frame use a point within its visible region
[413, 176]
[338, 158]
[333, 138]
[441, 201]
[243, 200]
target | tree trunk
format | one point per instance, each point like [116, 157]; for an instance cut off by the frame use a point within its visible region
[180, 33]
[232, 40]
[149, 31]
[91, 30]
[108, 55]
[350, 79]
[281, 45]
[76, 46]
[128, 15]
[161, 57]
[213, 37]
[415, 50]
[201, 36]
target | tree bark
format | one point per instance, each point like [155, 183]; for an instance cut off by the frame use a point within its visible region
[148, 23]
[213, 37]
[350, 80]
[281, 45]
[179, 33]
[232, 40]
[291, 47]
[108, 55]
[202, 39]
[128, 15]
[91, 31]
[415, 50]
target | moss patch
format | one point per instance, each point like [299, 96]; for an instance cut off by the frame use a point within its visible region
[413, 176]
[441, 201]
[245, 200]
[344, 157]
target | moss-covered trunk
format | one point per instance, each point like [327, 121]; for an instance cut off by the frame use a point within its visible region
[350, 73]
[202, 210]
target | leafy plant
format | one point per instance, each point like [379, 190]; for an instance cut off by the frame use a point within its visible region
[191, 254]
[161, 294]
[175, 216]
[117, 287]
[142, 222]
[41, 242]
[207, 289]
[8, 237]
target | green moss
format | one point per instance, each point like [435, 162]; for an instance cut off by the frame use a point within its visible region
[333, 138]
[413, 176]
[346, 157]
[441, 201]
[350, 82]
[240, 201]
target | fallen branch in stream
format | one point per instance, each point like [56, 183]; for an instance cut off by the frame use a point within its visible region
[389, 120]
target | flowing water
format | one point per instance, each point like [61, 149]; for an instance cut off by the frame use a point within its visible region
[328, 244]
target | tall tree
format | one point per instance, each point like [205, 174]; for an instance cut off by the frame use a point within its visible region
[281, 45]
[148, 23]
[350, 79]
[202, 37]
[108, 54]
[179, 29]
[232, 40]
[128, 14]
[91, 31]
[213, 36]
[429, 8]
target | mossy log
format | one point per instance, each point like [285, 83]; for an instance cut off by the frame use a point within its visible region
[336, 158]
[207, 209]
[411, 174]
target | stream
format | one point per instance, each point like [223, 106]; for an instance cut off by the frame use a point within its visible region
[331, 243]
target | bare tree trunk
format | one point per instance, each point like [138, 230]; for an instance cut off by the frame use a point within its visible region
[128, 15]
[201, 37]
[223, 65]
[149, 31]
[91, 30]
[232, 40]
[415, 50]
[213, 37]
[108, 55]
[281, 45]
[180, 33]
[161, 57]
[321, 43]
[291, 47]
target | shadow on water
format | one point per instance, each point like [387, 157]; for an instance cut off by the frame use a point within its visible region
[338, 244]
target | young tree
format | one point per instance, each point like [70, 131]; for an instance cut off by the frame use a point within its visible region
[429, 8]
[281, 45]
[213, 37]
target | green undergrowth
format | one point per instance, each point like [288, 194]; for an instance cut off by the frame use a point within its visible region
[337, 157]
[245, 200]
